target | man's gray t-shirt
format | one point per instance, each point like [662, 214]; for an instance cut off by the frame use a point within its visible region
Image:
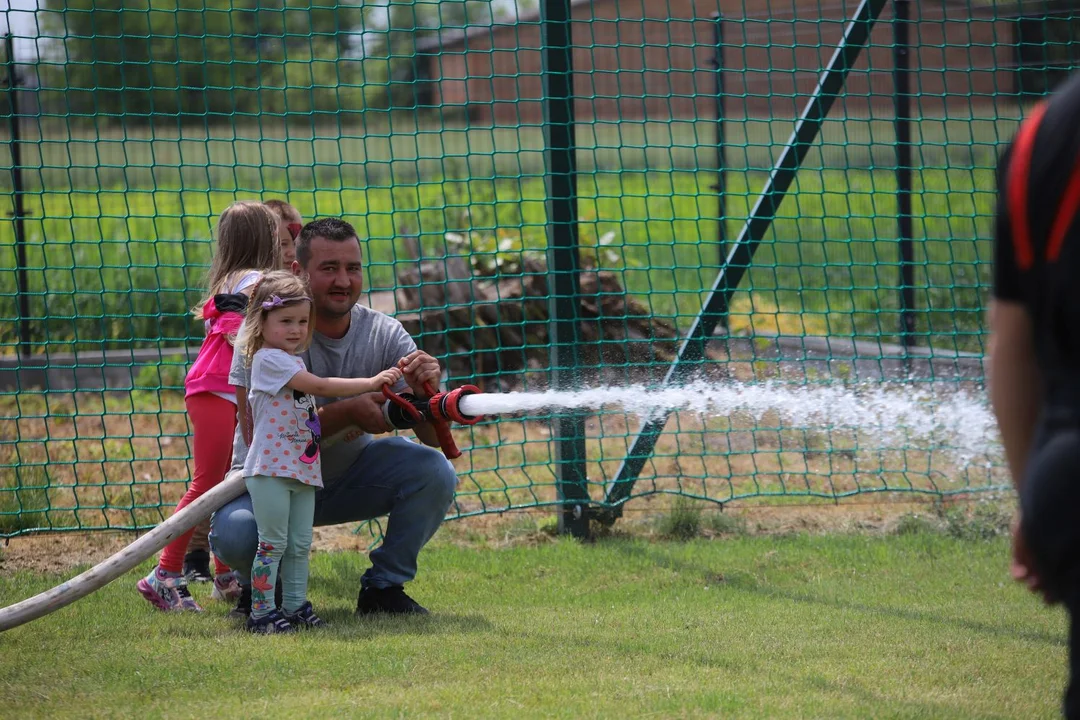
[375, 342]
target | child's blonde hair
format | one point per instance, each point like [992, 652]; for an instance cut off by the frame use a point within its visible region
[288, 289]
[246, 240]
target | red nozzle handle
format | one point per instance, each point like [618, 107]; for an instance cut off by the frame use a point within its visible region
[442, 427]
[402, 403]
[438, 419]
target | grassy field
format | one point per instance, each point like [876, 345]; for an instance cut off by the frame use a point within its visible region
[381, 150]
[909, 626]
[119, 221]
[123, 267]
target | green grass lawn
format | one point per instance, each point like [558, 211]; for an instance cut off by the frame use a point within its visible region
[848, 626]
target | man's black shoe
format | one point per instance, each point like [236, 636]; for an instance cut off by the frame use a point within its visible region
[197, 566]
[243, 604]
[391, 600]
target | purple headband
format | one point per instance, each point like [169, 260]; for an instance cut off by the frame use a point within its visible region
[276, 302]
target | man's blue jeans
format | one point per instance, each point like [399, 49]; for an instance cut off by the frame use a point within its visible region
[412, 483]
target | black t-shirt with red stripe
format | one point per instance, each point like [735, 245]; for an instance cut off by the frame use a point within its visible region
[1037, 234]
[1049, 169]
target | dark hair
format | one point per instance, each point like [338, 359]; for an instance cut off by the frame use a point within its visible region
[334, 229]
[282, 209]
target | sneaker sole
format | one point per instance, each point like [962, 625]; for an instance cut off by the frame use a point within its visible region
[273, 632]
[151, 595]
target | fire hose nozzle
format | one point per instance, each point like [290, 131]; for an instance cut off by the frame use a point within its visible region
[448, 405]
[406, 411]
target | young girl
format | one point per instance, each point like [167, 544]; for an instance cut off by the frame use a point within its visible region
[246, 247]
[283, 466]
[289, 225]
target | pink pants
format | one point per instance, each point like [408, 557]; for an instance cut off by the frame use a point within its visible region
[213, 422]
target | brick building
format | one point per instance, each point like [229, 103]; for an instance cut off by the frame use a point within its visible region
[653, 60]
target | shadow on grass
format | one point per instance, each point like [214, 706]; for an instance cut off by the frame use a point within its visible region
[342, 623]
[744, 583]
[337, 578]
[438, 623]
[337, 574]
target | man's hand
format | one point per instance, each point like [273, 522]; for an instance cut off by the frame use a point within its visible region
[1021, 567]
[367, 414]
[362, 413]
[420, 368]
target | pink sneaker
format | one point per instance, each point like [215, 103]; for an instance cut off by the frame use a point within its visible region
[167, 591]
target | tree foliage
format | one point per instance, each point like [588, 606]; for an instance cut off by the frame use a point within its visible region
[200, 58]
[207, 60]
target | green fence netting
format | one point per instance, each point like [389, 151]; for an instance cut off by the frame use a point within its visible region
[441, 130]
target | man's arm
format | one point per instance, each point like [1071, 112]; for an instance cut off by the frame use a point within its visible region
[239, 380]
[243, 418]
[363, 412]
[1013, 373]
[1014, 382]
[1016, 400]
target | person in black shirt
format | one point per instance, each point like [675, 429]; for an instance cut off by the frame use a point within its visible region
[1034, 364]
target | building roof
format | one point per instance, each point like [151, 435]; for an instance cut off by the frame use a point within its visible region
[1001, 9]
[460, 36]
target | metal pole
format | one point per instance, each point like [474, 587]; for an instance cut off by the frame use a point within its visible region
[902, 124]
[563, 258]
[721, 204]
[21, 283]
[721, 164]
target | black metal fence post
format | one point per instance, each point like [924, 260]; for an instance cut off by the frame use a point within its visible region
[17, 214]
[721, 164]
[563, 258]
[902, 127]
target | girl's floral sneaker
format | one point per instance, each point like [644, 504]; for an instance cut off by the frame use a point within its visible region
[305, 617]
[167, 591]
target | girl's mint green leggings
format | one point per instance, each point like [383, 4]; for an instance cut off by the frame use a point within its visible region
[284, 511]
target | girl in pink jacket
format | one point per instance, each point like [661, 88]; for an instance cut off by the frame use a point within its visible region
[246, 248]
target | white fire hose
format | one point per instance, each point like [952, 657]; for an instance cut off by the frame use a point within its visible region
[137, 552]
